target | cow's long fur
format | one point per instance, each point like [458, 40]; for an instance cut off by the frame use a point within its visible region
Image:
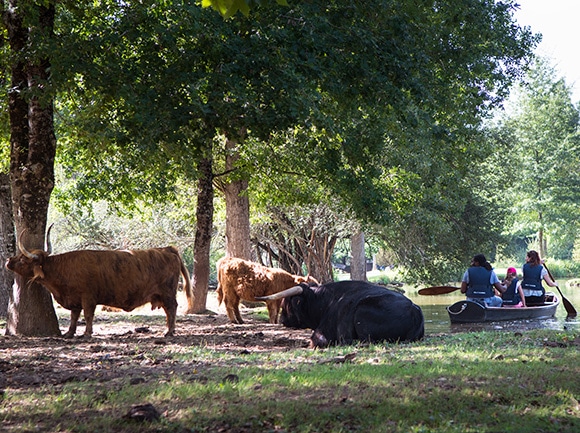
[348, 311]
[244, 280]
[81, 280]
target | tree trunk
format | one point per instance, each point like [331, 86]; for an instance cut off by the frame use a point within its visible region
[7, 242]
[33, 147]
[319, 258]
[358, 262]
[237, 210]
[201, 253]
[541, 238]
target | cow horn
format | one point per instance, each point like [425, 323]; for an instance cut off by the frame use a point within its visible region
[296, 290]
[24, 250]
[48, 243]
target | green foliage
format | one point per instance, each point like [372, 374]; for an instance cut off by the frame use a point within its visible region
[564, 268]
[229, 8]
[374, 104]
[539, 136]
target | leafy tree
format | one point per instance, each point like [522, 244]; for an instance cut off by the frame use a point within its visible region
[29, 32]
[146, 88]
[215, 78]
[543, 190]
[228, 8]
[414, 85]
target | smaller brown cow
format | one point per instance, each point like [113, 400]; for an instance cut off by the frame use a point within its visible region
[243, 280]
[81, 280]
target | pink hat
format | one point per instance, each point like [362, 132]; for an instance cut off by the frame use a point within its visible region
[512, 271]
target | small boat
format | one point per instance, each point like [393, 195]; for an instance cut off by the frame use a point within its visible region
[473, 312]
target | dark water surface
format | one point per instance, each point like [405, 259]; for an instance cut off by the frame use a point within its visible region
[437, 318]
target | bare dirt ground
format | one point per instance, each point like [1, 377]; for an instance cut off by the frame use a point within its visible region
[122, 342]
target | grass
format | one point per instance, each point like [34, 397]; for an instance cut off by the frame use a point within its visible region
[473, 382]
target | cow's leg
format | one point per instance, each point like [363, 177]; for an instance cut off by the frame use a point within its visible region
[170, 307]
[233, 309]
[234, 314]
[89, 313]
[273, 309]
[74, 318]
[231, 315]
[238, 315]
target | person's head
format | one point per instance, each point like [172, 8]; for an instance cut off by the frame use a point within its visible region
[480, 260]
[511, 273]
[533, 258]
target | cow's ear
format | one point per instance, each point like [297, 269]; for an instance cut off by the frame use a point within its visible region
[38, 272]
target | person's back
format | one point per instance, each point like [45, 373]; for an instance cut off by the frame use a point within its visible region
[532, 283]
[533, 271]
[479, 283]
[511, 295]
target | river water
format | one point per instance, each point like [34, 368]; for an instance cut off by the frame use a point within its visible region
[437, 318]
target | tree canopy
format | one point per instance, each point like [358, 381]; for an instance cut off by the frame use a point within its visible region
[541, 127]
[377, 103]
[371, 108]
[228, 8]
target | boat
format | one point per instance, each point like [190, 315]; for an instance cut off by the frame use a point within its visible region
[474, 312]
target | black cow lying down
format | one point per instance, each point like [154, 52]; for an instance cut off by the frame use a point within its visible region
[348, 311]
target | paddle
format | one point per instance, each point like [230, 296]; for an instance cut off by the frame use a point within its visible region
[438, 290]
[567, 304]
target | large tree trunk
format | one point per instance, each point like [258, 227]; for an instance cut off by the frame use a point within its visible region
[358, 262]
[237, 210]
[201, 253]
[7, 242]
[33, 147]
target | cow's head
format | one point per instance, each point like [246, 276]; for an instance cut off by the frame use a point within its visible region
[29, 263]
[296, 306]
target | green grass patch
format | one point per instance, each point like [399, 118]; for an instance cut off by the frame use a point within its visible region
[474, 382]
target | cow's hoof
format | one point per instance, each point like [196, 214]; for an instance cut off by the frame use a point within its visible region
[170, 334]
[68, 335]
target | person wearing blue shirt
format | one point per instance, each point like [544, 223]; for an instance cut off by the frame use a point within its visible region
[479, 281]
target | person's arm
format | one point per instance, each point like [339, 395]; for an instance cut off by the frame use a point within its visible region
[494, 280]
[500, 287]
[521, 292]
[549, 281]
[464, 282]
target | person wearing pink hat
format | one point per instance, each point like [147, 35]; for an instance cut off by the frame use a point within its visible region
[514, 295]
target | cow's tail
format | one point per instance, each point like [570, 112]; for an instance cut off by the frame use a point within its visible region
[187, 288]
[220, 277]
[220, 294]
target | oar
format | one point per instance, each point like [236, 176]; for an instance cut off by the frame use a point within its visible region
[438, 290]
[567, 304]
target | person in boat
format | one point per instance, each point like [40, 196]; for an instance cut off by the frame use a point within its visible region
[533, 274]
[479, 281]
[513, 295]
